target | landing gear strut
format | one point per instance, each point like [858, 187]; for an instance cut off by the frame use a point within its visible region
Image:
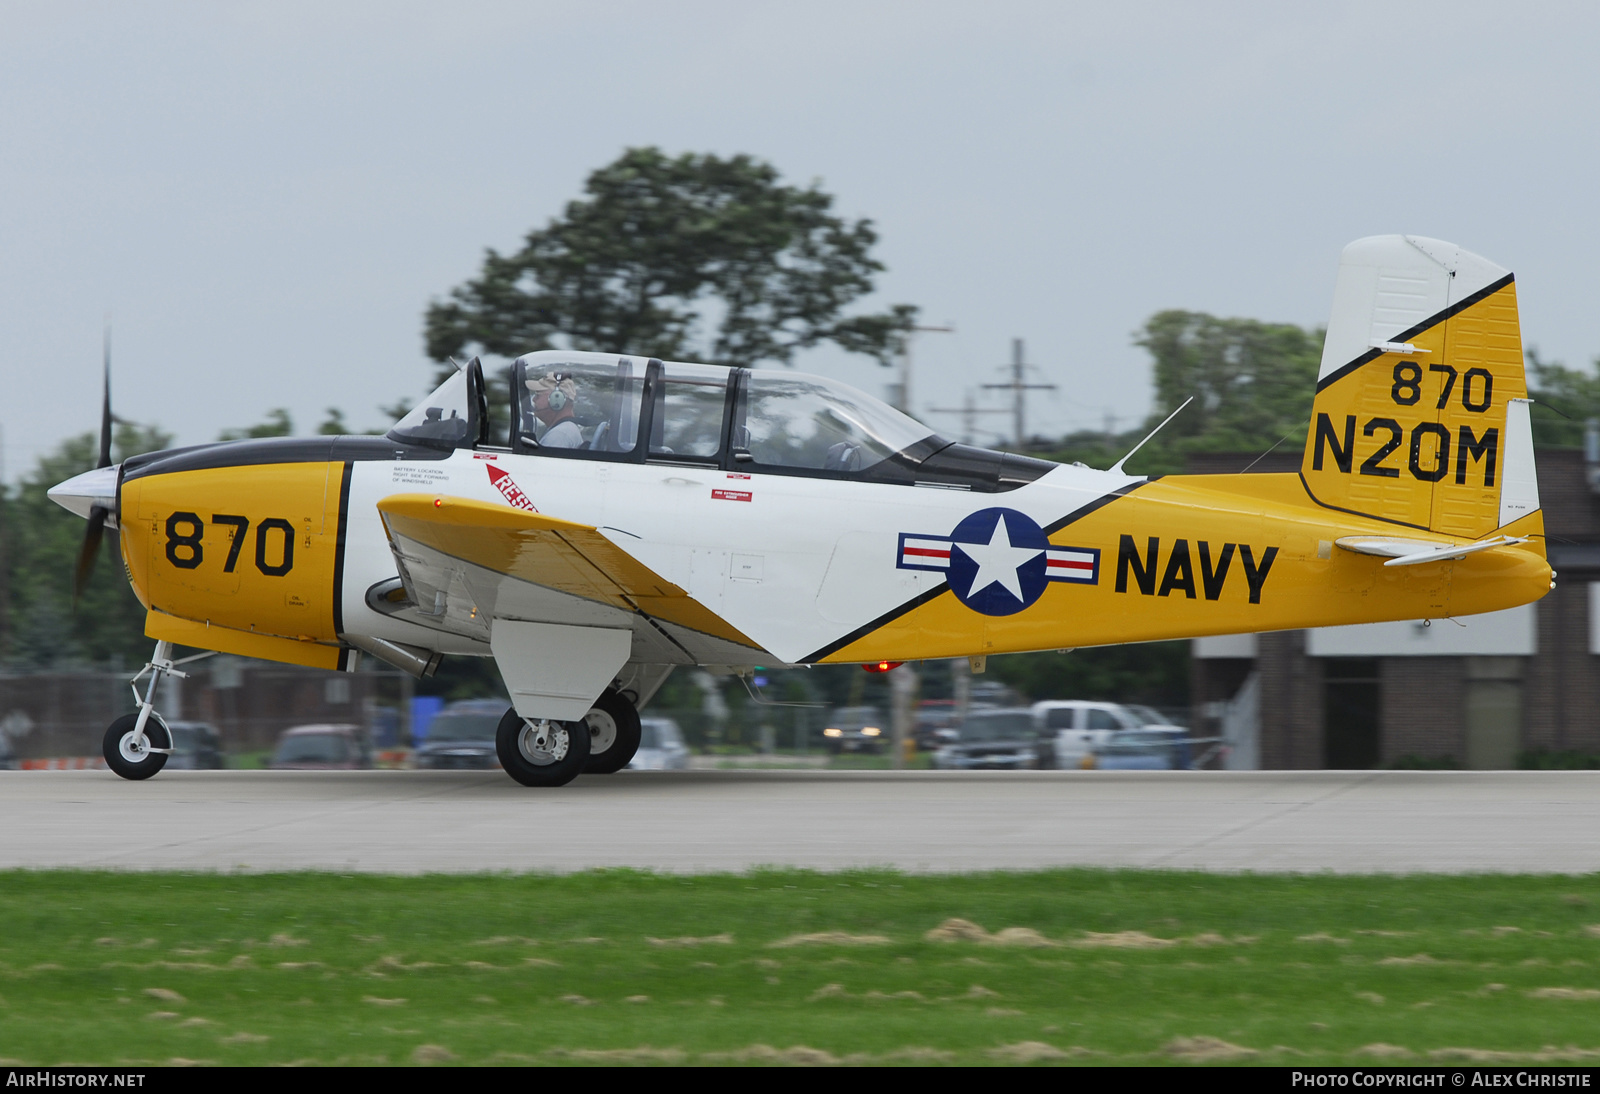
[137, 745]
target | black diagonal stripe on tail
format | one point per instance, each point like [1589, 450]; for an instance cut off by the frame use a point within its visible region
[1411, 332]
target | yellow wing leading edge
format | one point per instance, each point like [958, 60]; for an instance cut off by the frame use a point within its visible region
[563, 555]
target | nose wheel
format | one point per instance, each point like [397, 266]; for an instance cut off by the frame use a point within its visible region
[541, 752]
[134, 754]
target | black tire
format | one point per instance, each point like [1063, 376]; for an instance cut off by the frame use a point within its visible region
[131, 765]
[613, 733]
[515, 741]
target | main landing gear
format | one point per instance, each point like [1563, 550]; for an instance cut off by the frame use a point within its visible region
[613, 733]
[545, 752]
[137, 745]
[541, 752]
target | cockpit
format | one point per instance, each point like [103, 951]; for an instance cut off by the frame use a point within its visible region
[592, 406]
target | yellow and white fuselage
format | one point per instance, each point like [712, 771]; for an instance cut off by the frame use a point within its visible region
[728, 518]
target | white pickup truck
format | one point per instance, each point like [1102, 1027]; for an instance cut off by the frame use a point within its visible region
[1072, 730]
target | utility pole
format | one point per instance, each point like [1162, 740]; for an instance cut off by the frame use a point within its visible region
[1017, 387]
[969, 411]
[903, 685]
[902, 390]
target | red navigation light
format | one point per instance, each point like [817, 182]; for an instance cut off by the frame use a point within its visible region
[881, 666]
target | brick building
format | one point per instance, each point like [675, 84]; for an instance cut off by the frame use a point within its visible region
[1479, 695]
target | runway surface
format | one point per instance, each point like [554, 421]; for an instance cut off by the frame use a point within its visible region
[702, 821]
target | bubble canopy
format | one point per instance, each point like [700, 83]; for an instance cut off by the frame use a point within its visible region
[627, 406]
[630, 409]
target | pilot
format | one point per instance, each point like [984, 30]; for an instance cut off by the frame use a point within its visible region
[555, 399]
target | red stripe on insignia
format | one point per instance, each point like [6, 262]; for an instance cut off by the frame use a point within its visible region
[928, 552]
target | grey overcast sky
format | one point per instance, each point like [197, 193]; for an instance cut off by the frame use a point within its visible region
[265, 196]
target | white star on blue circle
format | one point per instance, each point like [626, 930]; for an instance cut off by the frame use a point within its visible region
[998, 562]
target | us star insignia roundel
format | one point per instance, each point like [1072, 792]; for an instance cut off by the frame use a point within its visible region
[998, 561]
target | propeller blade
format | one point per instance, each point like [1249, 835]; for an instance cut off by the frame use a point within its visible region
[105, 412]
[87, 553]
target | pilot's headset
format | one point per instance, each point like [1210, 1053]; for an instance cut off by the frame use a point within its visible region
[557, 397]
[558, 388]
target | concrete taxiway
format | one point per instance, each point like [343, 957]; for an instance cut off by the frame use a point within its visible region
[417, 821]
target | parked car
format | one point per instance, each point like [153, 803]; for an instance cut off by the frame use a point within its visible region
[1072, 730]
[322, 747]
[1006, 739]
[934, 724]
[462, 735]
[195, 746]
[661, 747]
[991, 694]
[855, 729]
[1150, 748]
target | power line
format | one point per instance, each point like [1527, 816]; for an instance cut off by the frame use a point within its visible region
[1018, 387]
[969, 411]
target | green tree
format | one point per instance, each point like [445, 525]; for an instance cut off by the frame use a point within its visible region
[693, 257]
[1572, 394]
[1252, 381]
[335, 425]
[41, 542]
[1153, 673]
[1253, 385]
[277, 424]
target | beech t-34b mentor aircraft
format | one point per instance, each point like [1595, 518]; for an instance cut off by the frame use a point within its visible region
[645, 514]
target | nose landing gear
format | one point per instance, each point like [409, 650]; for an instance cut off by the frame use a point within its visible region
[136, 746]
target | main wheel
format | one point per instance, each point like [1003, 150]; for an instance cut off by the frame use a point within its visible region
[133, 759]
[541, 753]
[613, 733]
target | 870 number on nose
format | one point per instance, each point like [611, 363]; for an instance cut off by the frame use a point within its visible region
[274, 540]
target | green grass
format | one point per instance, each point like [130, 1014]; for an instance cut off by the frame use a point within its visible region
[118, 968]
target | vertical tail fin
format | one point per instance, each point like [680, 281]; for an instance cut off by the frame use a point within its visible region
[1421, 413]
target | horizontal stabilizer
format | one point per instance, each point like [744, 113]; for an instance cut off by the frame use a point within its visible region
[1413, 552]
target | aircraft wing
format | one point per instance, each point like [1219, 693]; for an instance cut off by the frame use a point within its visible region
[561, 555]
